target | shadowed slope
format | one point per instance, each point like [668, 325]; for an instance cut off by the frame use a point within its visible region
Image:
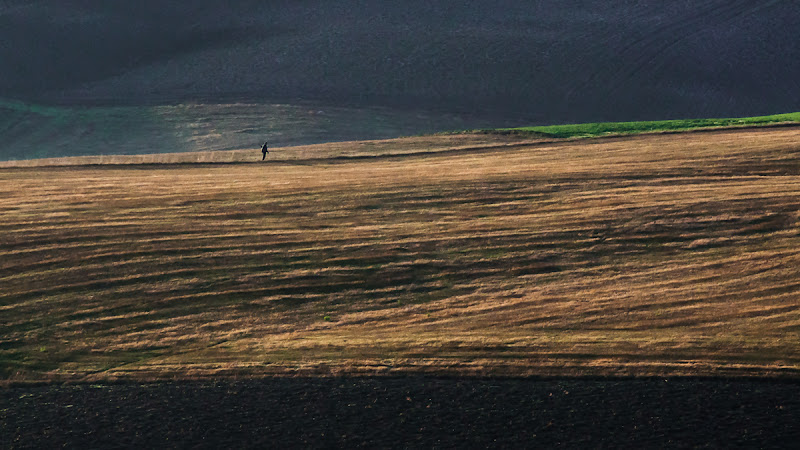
[31, 131]
[548, 61]
[659, 254]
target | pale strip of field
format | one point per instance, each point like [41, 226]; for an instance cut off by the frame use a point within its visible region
[654, 254]
[342, 150]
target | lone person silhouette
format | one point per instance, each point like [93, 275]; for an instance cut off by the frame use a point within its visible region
[264, 151]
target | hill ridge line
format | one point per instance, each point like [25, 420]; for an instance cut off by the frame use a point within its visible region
[43, 163]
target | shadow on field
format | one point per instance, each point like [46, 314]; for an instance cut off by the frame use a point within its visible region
[406, 412]
[548, 61]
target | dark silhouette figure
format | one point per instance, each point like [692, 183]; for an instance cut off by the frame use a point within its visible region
[264, 151]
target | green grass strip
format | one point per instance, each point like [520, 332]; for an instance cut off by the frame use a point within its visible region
[611, 128]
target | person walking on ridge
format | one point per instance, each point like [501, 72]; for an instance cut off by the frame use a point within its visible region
[264, 151]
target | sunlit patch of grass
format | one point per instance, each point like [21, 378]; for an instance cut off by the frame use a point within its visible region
[606, 128]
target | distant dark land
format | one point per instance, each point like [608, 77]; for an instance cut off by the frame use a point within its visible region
[469, 63]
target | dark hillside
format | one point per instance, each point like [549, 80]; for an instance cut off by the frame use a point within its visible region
[547, 61]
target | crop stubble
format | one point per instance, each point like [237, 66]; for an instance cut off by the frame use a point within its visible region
[656, 254]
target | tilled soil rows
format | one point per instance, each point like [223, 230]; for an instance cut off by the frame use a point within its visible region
[414, 412]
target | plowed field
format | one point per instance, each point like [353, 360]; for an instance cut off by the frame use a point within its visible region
[413, 412]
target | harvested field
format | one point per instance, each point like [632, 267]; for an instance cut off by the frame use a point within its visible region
[655, 254]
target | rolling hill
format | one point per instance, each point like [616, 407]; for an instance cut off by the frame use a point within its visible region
[657, 254]
[511, 61]
[35, 131]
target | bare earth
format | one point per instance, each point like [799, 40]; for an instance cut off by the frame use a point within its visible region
[657, 254]
[412, 412]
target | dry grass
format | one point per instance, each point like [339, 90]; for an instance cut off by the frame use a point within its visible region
[653, 254]
[306, 153]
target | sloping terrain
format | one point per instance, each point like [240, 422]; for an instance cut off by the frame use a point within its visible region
[651, 254]
[316, 153]
[549, 61]
[108, 78]
[32, 131]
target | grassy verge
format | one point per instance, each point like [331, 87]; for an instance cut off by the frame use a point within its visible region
[612, 128]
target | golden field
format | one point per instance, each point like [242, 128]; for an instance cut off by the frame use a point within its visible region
[660, 254]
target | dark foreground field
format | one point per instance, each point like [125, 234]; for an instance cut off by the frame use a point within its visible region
[406, 412]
